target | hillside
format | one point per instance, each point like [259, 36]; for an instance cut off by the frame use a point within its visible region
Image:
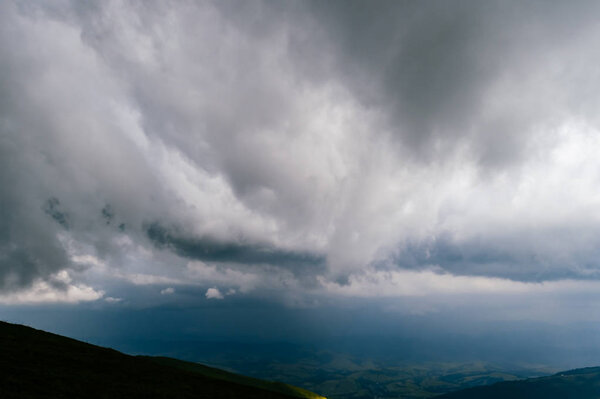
[37, 364]
[577, 384]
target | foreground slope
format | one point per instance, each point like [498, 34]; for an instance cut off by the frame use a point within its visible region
[577, 384]
[37, 364]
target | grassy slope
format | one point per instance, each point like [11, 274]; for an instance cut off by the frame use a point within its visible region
[236, 378]
[577, 384]
[37, 364]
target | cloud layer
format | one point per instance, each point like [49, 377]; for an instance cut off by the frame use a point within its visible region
[299, 146]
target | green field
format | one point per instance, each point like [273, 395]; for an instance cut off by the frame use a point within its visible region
[341, 376]
[409, 382]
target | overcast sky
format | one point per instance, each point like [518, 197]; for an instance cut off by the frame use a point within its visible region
[423, 153]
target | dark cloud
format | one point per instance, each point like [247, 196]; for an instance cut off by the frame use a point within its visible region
[51, 208]
[531, 255]
[29, 246]
[108, 214]
[434, 68]
[209, 249]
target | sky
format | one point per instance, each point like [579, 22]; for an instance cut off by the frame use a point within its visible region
[297, 160]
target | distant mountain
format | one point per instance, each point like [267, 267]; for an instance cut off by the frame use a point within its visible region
[38, 364]
[574, 384]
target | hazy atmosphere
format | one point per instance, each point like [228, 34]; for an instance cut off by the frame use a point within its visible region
[412, 181]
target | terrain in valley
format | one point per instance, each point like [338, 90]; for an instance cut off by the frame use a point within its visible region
[36, 364]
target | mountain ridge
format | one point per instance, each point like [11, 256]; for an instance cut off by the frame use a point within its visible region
[39, 364]
[582, 383]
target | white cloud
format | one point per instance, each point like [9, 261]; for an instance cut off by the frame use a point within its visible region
[146, 279]
[200, 272]
[411, 283]
[213, 293]
[111, 299]
[167, 291]
[59, 289]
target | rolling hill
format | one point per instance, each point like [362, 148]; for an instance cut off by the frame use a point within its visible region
[574, 384]
[38, 364]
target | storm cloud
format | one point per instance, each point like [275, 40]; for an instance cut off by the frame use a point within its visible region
[321, 141]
